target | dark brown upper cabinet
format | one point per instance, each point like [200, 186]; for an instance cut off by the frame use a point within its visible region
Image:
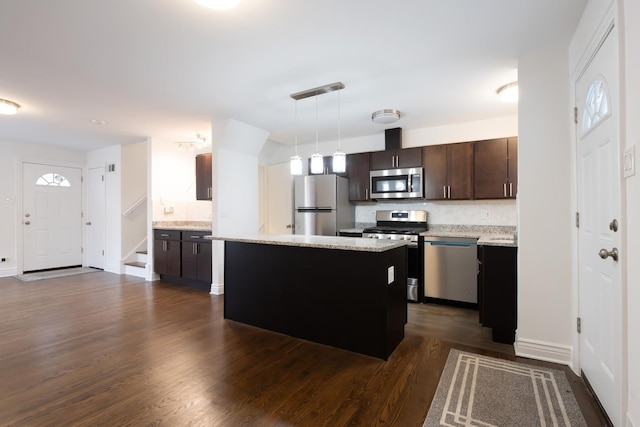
[358, 171]
[448, 171]
[393, 159]
[496, 168]
[203, 177]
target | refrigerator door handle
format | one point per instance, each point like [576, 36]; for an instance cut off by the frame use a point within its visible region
[314, 209]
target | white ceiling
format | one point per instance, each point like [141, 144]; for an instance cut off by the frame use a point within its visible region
[168, 68]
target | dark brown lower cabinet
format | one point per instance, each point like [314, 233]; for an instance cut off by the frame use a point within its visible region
[196, 257]
[166, 252]
[183, 257]
[497, 291]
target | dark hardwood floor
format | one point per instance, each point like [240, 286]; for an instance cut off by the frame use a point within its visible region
[106, 350]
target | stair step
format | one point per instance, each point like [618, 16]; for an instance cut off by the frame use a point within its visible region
[142, 252]
[136, 264]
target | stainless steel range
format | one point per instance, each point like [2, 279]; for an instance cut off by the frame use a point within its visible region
[404, 225]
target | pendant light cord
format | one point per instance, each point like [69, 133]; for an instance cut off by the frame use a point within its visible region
[296, 125]
[339, 120]
[317, 123]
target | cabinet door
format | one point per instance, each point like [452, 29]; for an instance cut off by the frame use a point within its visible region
[204, 262]
[159, 257]
[381, 160]
[409, 157]
[490, 169]
[173, 258]
[203, 177]
[459, 171]
[189, 260]
[358, 171]
[434, 163]
[512, 168]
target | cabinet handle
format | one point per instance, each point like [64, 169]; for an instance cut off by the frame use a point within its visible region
[511, 189]
[504, 189]
[164, 235]
[164, 245]
[393, 161]
[448, 191]
[444, 191]
[366, 194]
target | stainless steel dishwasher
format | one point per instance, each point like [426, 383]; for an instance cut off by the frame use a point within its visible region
[451, 269]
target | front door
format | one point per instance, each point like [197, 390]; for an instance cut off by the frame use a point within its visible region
[599, 205]
[51, 216]
[279, 199]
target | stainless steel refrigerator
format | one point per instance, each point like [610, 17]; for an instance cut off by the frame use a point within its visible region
[321, 205]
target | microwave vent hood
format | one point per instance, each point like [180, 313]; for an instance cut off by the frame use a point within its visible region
[393, 139]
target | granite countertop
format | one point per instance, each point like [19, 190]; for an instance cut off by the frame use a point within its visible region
[182, 225]
[325, 242]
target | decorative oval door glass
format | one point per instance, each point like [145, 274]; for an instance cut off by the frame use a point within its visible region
[596, 105]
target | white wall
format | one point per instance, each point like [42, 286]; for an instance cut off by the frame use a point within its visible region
[545, 217]
[12, 155]
[113, 203]
[631, 36]
[173, 184]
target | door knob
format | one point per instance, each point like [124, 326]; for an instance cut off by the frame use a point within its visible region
[604, 254]
[27, 215]
[88, 222]
[27, 222]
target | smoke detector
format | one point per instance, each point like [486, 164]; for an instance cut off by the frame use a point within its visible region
[385, 117]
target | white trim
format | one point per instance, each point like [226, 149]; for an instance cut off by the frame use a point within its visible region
[217, 289]
[629, 422]
[9, 272]
[540, 350]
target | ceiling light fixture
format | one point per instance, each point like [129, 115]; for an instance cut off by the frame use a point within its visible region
[218, 4]
[317, 161]
[385, 117]
[508, 92]
[98, 122]
[8, 107]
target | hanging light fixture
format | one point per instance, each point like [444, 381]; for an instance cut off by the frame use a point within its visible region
[339, 157]
[317, 162]
[295, 164]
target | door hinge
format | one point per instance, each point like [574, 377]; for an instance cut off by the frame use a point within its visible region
[103, 252]
[81, 178]
[102, 178]
[81, 250]
[575, 115]
[577, 219]
[579, 325]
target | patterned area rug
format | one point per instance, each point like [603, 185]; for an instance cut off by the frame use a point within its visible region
[483, 391]
[50, 274]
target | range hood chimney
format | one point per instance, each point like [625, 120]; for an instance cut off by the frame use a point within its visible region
[393, 139]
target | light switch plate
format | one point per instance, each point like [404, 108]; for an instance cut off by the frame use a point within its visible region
[630, 161]
[391, 272]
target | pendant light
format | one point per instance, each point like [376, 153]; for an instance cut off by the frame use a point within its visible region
[317, 162]
[295, 164]
[339, 157]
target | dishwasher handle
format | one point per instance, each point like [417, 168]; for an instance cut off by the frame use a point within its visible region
[464, 244]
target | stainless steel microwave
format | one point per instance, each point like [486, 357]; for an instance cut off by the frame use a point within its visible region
[397, 184]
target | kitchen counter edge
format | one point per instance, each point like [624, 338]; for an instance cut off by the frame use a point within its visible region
[324, 242]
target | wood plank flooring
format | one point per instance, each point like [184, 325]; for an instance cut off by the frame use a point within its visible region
[108, 350]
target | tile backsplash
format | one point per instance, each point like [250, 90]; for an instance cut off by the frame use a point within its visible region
[463, 212]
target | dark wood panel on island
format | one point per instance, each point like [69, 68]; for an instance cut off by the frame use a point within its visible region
[335, 297]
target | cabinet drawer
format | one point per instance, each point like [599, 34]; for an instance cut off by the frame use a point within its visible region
[166, 234]
[195, 236]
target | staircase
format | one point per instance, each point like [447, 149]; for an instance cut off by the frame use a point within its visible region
[137, 267]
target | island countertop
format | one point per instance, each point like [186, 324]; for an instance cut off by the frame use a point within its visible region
[325, 242]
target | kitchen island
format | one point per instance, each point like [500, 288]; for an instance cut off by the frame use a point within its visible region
[344, 292]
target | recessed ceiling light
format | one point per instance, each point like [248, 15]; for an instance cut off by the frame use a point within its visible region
[8, 107]
[508, 92]
[218, 4]
[385, 117]
[98, 122]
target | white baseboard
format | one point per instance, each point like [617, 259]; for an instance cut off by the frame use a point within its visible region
[8, 272]
[540, 350]
[217, 289]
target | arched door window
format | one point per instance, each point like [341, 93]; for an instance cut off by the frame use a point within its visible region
[52, 179]
[596, 105]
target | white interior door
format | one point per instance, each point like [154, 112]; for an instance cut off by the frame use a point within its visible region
[52, 216]
[599, 181]
[279, 199]
[94, 219]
